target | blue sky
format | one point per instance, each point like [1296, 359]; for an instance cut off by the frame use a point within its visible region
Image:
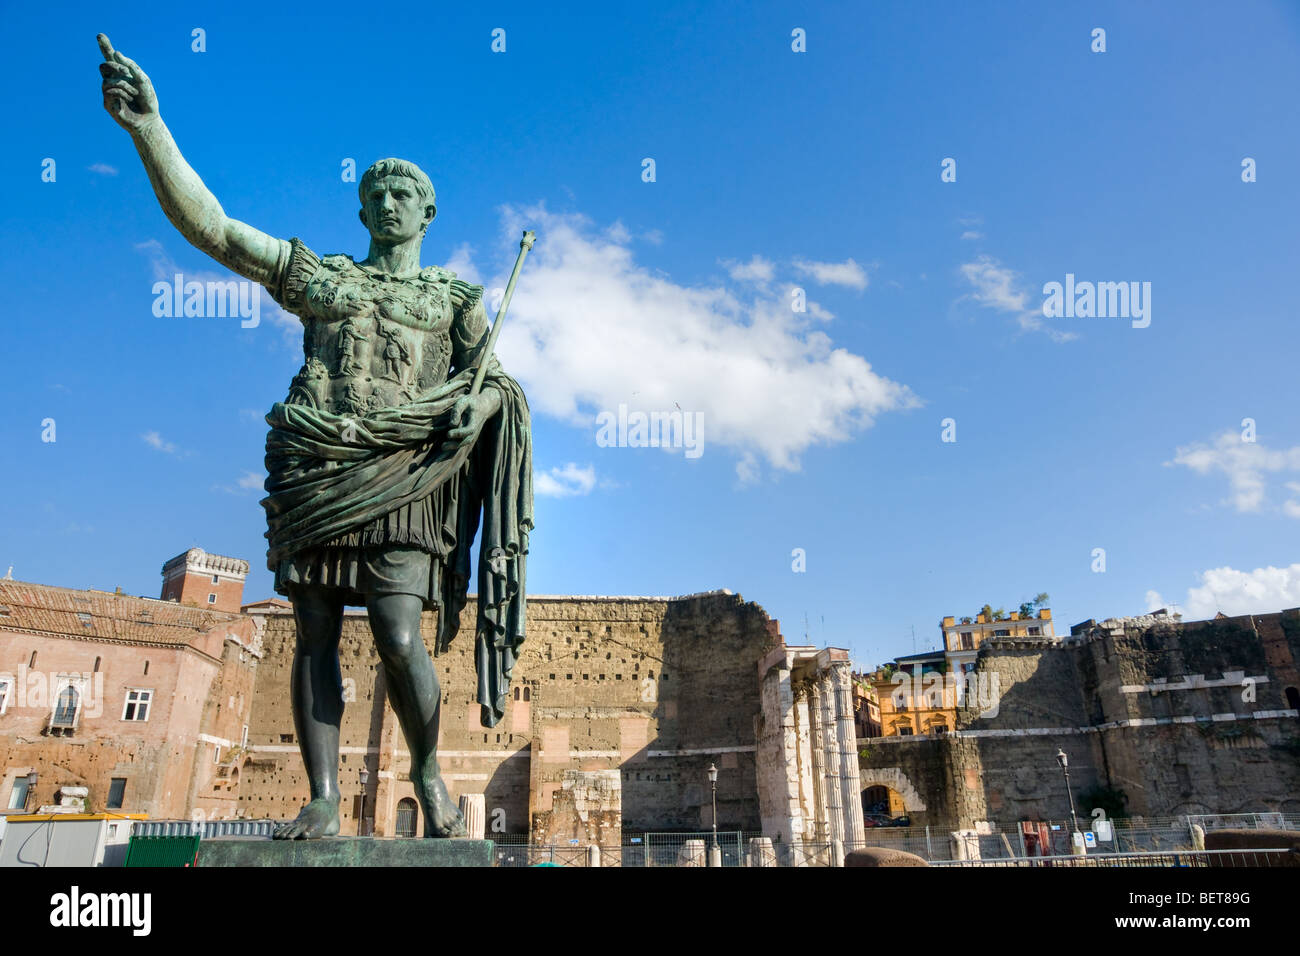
[773, 169]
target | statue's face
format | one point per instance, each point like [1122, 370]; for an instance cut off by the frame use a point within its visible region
[393, 210]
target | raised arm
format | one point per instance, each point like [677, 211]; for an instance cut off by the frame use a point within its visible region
[130, 100]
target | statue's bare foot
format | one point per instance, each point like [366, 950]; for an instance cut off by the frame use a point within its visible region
[441, 817]
[320, 818]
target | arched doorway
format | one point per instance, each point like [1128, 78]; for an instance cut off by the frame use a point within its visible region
[875, 799]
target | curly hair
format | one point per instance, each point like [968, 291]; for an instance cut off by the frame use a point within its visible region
[398, 167]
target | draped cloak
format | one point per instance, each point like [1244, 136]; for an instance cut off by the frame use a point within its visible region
[339, 478]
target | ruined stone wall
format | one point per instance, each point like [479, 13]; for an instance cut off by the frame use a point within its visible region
[655, 688]
[1195, 716]
[1182, 718]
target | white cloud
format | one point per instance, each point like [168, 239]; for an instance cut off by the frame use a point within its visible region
[103, 169]
[998, 287]
[1261, 591]
[1154, 601]
[590, 326]
[248, 481]
[847, 273]
[462, 263]
[566, 481]
[1245, 464]
[758, 270]
[155, 440]
[972, 234]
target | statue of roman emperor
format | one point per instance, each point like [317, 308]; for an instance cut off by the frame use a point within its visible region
[383, 463]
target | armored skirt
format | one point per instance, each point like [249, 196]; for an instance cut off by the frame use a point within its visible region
[365, 494]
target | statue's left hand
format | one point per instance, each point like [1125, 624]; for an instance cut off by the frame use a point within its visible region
[469, 415]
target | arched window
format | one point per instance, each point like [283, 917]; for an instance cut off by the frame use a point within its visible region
[97, 660]
[406, 817]
[516, 693]
[65, 714]
[527, 694]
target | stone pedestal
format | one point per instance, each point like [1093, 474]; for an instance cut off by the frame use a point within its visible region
[345, 851]
[691, 853]
[473, 809]
[761, 852]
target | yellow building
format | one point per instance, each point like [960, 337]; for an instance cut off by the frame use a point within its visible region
[919, 694]
[962, 639]
[916, 697]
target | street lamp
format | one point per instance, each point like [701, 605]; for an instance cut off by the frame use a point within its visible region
[361, 822]
[1064, 761]
[715, 855]
[713, 780]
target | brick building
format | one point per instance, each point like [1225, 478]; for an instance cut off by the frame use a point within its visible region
[141, 702]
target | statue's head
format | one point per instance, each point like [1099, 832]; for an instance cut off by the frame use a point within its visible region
[397, 201]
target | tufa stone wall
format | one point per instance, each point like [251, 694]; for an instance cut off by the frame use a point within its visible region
[653, 688]
[1182, 718]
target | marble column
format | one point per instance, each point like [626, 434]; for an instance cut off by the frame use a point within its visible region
[850, 778]
[832, 759]
[472, 808]
[821, 818]
[803, 765]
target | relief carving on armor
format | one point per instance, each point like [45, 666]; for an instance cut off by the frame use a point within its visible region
[352, 340]
[308, 386]
[396, 355]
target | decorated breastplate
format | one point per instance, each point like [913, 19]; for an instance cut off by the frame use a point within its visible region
[372, 341]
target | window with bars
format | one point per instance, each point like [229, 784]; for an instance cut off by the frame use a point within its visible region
[406, 817]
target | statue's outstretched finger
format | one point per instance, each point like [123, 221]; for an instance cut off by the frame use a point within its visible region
[105, 46]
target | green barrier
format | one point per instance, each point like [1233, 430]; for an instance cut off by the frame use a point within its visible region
[162, 850]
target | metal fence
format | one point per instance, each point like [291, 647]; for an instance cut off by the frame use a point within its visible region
[207, 830]
[1174, 858]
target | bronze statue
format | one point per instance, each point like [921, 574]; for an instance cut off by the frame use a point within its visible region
[382, 458]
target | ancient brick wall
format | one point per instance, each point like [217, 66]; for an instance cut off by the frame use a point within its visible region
[655, 688]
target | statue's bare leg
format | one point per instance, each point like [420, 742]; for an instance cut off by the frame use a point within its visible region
[317, 694]
[416, 698]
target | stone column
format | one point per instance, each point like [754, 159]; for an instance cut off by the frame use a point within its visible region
[855, 832]
[821, 817]
[833, 760]
[473, 809]
[777, 759]
[804, 765]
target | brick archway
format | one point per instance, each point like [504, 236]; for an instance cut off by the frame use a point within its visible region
[895, 780]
